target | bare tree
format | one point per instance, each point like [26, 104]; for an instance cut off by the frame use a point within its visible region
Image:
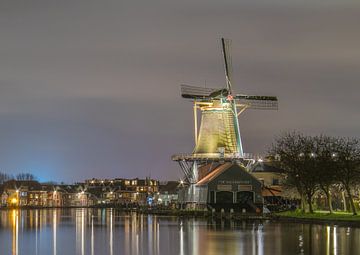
[4, 177]
[294, 153]
[25, 177]
[325, 165]
[348, 165]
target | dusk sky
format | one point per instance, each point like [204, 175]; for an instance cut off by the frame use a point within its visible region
[91, 88]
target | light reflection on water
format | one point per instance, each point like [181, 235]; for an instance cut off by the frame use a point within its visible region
[108, 231]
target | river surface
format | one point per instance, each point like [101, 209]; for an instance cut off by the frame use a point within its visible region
[108, 231]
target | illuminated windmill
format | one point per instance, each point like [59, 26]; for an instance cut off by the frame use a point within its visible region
[218, 139]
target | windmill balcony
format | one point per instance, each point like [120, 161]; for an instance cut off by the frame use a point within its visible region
[211, 156]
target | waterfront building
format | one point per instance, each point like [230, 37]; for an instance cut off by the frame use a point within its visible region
[168, 194]
[124, 191]
[230, 186]
[271, 177]
[90, 193]
[16, 193]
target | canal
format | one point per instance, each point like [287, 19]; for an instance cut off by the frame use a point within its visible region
[108, 231]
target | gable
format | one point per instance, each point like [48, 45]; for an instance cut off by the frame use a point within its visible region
[236, 175]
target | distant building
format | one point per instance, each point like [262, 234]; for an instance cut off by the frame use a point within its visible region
[168, 193]
[124, 191]
[268, 174]
[93, 192]
[272, 179]
[16, 193]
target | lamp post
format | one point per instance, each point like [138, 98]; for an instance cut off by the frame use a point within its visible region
[15, 200]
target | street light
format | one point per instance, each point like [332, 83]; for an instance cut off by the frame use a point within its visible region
[14, 201]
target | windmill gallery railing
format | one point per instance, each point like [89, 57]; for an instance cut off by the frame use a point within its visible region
[212, 156]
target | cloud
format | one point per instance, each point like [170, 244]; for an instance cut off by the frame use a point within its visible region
[92, 89]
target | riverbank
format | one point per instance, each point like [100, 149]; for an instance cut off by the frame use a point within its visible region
[159, 211]
[324, 218]
[336, 218]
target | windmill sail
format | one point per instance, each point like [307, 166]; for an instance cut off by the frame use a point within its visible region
[194, 92]
[225, 43]
[258, 102]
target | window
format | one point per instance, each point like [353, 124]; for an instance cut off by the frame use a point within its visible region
[212, 197]
[275, 182]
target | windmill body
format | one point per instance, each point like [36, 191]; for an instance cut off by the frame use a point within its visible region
[217, 139]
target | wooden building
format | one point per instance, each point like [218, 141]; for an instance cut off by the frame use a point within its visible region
[229, 186]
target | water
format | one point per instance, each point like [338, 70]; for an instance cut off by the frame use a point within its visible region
[107, 231]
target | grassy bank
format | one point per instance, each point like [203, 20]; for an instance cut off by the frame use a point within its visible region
[320, 217]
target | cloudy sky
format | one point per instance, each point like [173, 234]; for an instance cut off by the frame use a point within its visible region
[91, 88]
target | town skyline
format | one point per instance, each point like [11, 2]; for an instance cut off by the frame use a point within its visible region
[92, 90]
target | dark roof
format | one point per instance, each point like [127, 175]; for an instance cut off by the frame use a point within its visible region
[222, 168]
[213, 174]
[15, 184]
[265, 167]
[169, 186]
[68, 188]
[206, 169]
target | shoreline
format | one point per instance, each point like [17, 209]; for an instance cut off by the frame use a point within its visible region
[155, 211]
[342, 223]
[322, 218]
[289, 217]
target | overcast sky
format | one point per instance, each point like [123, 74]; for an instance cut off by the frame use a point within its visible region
[91, 88]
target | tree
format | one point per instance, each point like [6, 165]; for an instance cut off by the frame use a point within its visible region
[325, 165]
[25, 177]
[294, 153]
[4, 177]
[347, 152]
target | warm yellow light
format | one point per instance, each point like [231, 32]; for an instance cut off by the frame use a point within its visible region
[14, 201]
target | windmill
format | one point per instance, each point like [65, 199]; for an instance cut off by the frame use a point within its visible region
[218, 139]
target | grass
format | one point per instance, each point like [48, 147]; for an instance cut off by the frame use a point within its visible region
[320, 215]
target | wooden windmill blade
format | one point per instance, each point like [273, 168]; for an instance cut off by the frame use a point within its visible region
[194, 92]
[225, 44]
[258, 102]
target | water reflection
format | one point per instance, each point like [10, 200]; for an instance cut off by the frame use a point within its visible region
[108, 231]
[15, 234]
[54, 231]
